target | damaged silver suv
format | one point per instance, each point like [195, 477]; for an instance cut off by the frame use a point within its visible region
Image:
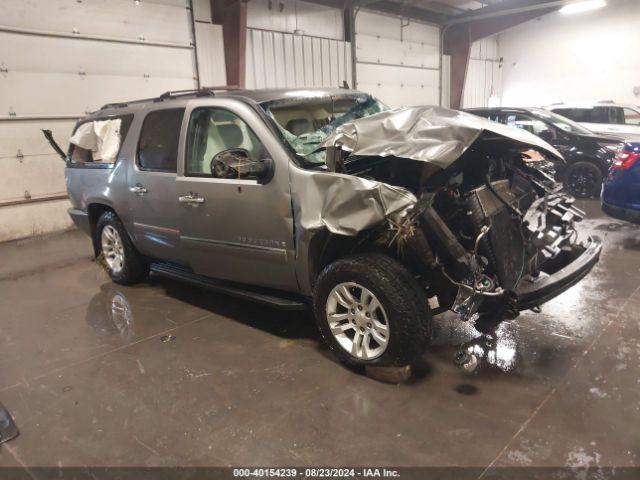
[377, 218]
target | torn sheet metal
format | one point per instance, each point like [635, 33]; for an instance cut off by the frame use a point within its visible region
[343, 205]
[346, 205]
[429, 134]
[101, 137]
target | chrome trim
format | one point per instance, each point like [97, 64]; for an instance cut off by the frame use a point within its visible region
[170, 231]
[244, 246]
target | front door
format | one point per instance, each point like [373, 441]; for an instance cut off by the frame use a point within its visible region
[152, 186]
[234, 225]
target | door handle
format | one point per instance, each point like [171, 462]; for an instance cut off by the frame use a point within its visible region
[192, 199]
[138, 189]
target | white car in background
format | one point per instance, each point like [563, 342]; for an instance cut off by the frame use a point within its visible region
[603, 117]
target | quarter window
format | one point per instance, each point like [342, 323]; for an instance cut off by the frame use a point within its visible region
[88, 156]
[221, 145]
[631, 117]
[158, 143]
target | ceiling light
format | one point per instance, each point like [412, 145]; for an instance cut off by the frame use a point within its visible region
[583, 6]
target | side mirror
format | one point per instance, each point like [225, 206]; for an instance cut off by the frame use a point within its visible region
[237, 163]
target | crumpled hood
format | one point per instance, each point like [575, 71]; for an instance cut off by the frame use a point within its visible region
[430, 134]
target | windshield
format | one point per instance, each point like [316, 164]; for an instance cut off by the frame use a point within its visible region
[561, 122]
[305, 123]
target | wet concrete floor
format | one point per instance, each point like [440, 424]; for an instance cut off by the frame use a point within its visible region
[163, 374]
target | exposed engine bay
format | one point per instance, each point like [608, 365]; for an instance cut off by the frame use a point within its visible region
[481, 228]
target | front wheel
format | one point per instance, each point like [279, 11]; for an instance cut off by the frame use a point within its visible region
[370, 310]
[583, 180]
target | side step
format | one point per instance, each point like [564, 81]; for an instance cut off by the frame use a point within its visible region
[264, 296]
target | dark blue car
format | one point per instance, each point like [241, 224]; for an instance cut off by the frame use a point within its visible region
[621, 189]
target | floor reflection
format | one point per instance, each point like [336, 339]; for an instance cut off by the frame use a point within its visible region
[109, 312]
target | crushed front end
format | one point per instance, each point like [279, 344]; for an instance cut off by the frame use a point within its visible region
[491, 232]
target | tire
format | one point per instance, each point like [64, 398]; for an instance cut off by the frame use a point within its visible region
[404, 310]
[583, 180]
[131, 266]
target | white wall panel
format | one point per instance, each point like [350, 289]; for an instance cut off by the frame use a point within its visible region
[33, 219]
[283, 60]
[147, 21]
[397, 59]
[210, 51]
[29, 53]
[67, 93]
[399, 86]
[484, 74]
[201, 10]
[48, 70]
[307, 17]
[573, 58]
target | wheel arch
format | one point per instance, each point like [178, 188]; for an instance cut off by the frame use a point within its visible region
[95, 210]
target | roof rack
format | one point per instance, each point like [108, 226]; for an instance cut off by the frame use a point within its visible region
[184, 93]
[195, 92]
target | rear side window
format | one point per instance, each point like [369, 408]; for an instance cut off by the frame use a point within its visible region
[631, 117]
[608, 115]
[575, 114]
[79, 156]
[158, 143]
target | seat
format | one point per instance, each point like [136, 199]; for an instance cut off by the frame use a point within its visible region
[299, 126]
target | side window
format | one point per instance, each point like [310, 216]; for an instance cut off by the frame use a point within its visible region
[575, 114]
[631, 117]
[531, 125]
[103, 140]
[221, 145]
[608, 115]
[159, 137]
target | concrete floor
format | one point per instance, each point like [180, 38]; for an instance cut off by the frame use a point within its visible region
[88, 373]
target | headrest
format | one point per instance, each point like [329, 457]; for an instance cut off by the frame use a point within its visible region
[298, 126]
[231, 135]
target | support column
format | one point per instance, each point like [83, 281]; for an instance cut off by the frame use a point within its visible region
[232, 15]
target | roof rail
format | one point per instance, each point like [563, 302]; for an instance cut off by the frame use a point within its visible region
[199, 92]
[606, 101]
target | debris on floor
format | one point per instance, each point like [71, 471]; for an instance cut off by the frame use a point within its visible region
[389, 374]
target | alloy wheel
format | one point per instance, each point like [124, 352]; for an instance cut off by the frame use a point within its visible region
[582, 181]
[357, 320]
[112, 248]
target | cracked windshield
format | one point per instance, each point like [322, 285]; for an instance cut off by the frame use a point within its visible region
[305, 123]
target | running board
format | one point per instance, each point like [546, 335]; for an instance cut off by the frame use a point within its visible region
[264, 296]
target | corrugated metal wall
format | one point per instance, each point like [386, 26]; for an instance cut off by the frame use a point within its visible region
[397, 60]
[298, 45]
[62, 58]
[278, 60]
[484, 74]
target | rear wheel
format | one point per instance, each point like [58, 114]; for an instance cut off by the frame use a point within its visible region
[583, 180]
[120, 258]
[370, 310]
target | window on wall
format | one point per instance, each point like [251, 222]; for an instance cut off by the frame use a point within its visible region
[159, 137]
[216, 130]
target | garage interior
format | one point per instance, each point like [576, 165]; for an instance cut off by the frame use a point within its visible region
[163, 374]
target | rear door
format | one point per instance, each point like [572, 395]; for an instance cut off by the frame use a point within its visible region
[238, 227]
[152, 185]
